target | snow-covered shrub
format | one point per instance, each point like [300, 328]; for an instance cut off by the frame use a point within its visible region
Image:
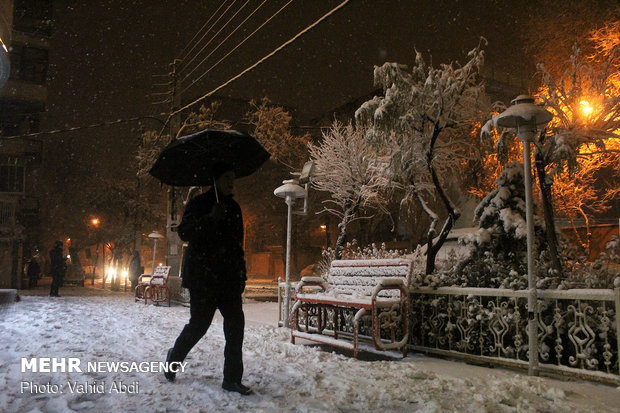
[604, 272]
[497, 252]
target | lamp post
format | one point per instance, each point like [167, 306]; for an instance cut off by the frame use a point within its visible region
[290, 191]
[525, 117]
[155, 236]
[95, 222]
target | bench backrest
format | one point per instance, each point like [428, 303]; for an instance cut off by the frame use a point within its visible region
[161, 274]
[359, 277]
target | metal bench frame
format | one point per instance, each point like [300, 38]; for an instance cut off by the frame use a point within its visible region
[154, 286]
[388, 314]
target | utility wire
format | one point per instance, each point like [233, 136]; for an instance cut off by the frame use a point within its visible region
[198, 32]
[222, 42]
[203, 36]
[77, 128]
[236, 47]
[250, 68]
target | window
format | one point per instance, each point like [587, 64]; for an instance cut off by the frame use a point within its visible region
[29, 64]
[12, 178]
[33, 17]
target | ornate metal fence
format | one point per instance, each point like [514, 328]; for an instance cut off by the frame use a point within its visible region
[578, 330]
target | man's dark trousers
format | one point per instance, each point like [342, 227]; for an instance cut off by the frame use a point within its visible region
[202, 309]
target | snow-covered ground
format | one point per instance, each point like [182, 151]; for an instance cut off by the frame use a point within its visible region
[98, 326]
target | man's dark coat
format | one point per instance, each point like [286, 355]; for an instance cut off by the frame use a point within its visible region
[214, 258]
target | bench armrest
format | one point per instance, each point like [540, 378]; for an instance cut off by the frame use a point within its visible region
[311, 282]
[145, 278]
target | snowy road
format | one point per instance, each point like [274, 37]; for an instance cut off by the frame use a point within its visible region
[286, 378]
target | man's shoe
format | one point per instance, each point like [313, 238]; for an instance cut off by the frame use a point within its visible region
[169, 374]
[236, 387]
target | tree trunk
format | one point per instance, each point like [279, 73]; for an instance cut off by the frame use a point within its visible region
[349, 213]
[453, 215]
[547, 202]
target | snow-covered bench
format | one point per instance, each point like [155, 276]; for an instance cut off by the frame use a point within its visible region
[154, 286]
[368, 288]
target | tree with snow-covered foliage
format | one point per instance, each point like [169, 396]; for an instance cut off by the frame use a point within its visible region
[347, 167]
[423, 121]
[586, 107]
[152, 142]
[497, 252]
[272, 128]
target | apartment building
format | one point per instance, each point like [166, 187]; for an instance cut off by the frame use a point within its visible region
[25, 29]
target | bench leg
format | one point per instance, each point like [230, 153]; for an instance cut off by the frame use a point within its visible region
[356, 323]
[294, 320]
[336, 322]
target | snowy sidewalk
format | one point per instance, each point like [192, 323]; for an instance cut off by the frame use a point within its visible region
[101, 326]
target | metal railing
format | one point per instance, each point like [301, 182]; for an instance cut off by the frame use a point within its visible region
[578, 330]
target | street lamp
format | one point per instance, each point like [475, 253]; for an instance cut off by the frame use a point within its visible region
[290, 191]
[155, 236]
[95, 222]
[525, 117]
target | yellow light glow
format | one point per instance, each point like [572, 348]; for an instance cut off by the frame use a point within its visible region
[323, 226]
[4, 46]
[95, 221]
[112, 273]
[585, 107]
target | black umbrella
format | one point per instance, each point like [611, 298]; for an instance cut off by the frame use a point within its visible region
[189, 160]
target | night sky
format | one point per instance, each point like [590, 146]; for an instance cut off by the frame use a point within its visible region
[104, 54]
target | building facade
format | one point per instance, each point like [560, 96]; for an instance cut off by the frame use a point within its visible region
[25, 28]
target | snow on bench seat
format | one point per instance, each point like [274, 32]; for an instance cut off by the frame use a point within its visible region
[376, 288]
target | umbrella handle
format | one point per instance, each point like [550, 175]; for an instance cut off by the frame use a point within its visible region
[217, 198]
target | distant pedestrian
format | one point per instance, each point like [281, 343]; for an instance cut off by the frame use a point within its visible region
[58, 268]
[34, 271]
[135, 269]
[215, 275]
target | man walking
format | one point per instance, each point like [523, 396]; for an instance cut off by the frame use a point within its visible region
[215, 274]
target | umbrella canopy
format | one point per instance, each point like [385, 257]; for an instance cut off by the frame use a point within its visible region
[189, 160]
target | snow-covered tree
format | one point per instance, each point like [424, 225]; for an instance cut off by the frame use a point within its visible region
[586, 107]
[498, 250]
[423, 121]
[347, 167]
[550, 39]
[272, 128]
[153, 142]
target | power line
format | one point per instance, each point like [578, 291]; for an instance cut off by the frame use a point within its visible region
[198, 32]
[222, 42]
[250, 68]
[203, 36]
[77, 128]
[236, 47]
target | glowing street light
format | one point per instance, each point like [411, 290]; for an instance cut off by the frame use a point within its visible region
[525, 117]
[290, 191]
[586, 108]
